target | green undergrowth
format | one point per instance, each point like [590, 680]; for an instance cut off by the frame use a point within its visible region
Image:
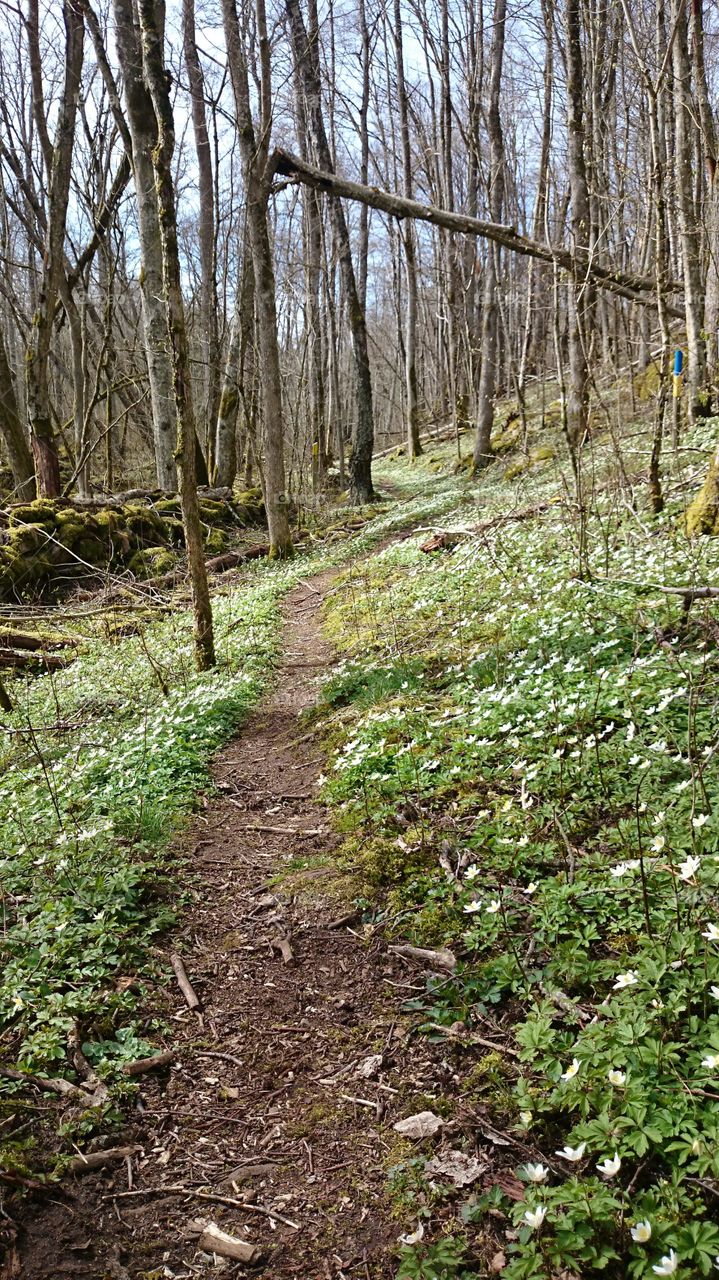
[102, 762]
[525, 768]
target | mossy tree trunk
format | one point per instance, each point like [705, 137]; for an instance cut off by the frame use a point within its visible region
[157, 84]
[703, 514]
[11, 430]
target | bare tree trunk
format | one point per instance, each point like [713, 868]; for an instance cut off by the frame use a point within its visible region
[254, 150]
[206, 226]
[711, 168]
[226, 452]
[13, 435]
[414, 447]
[157, 84]
[44, 447]
[360, 463]
[691, 254]
[143, 133]
[490, 314]
[581, 295]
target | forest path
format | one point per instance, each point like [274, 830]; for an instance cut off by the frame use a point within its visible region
[259, 1106]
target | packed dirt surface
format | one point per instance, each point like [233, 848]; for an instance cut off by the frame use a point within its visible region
[275, 1120]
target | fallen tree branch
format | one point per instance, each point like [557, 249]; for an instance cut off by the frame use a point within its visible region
[58, 1085]
[183, 982]
[443, 959]
[91, 1160]
[178, 1190]
[637, 288]
[24, 658]
[141, 1065]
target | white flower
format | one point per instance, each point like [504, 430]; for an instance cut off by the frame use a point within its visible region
[659, 818]
[526, 1118]
[536, 1172]
[470, 908]
[535, 1217]
[711, 932]
[413, 1237]
[628, 979]
[620, 870]
[714, 991]
[494, 907]
[572, 1069]
[531, 888]
[472, 872]
[711, 1062]
[658, 844]
[572, 1153]
[642, 1232]
[700, 821]
[18, 1002]
[668, 1264]
[689, 868]
[608, 1167]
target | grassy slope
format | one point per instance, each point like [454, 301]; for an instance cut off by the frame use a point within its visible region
[525, 767]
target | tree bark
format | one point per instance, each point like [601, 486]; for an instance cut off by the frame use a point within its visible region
[12, 432]
[490, 314]
[205, 226]
[414, 447]
[59, 155]
[257, 174]
[581, 291]
[157, 84]
[360, 463]
[143, 135]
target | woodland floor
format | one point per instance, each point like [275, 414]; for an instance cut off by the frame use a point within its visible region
[265, 1103]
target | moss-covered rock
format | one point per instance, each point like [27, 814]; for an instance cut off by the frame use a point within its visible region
[41, 511]
[52, 541]
[703, 514]
[216, 541]
[152, 562]
[145, 525]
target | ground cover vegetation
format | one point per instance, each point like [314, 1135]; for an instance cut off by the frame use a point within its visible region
[102, 762]
[525, 735]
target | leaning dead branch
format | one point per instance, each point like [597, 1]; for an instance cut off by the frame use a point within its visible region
[641, 289]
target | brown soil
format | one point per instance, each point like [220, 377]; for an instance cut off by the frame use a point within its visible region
[266, 1103]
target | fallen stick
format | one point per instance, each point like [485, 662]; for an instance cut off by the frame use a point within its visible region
[63, 1087]
[142, 1065]
[18, 658]
[179, 1190]
[283, 946]
[440, 959]
[279, 831]
[184, 983]
[213, 1240]
[98, 1159]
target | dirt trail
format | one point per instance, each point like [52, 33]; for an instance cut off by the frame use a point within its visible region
[265, 1103]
